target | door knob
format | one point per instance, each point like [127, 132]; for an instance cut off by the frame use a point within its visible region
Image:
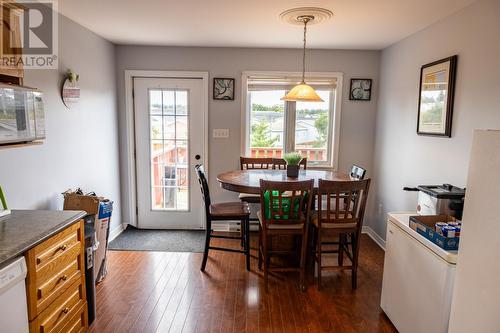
[197, 156]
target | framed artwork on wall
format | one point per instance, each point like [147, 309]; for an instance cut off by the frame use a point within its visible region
[224, 89]
[361, 90]
[435, 100]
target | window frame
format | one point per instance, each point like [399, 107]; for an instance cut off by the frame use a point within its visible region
[289, 136]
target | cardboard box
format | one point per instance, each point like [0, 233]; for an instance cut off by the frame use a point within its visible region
[425, 225]
[101, 209]
[101, 225]
[88, 203]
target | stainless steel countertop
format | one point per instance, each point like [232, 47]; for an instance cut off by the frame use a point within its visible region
[24, 229]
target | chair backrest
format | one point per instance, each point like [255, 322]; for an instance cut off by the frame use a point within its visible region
[280, 164]
[342, 202]
[252, 163]
[205, 193]
[285, 202]
[357, 172]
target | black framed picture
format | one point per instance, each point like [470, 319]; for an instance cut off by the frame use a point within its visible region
[361, 90]
[435, 100]
[224, 89]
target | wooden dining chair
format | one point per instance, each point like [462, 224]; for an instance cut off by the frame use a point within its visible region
[255, 163]
[280, 164]
[285, 210]
[341, 208]
[226, 211]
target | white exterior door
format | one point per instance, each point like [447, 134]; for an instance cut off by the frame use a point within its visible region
[169, 140]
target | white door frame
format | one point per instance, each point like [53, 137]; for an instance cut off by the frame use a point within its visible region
[130, 124]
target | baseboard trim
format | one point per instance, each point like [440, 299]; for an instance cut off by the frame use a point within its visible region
[116, 231]
[373, 235]
[234, 227]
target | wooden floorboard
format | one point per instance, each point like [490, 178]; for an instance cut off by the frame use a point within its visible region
[166, 292]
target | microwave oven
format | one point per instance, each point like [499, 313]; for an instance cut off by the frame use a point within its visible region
[22, 116]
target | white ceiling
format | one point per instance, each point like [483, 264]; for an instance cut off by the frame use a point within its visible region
[360, 24]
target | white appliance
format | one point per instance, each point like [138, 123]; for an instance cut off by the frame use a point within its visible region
[476, 294]
[418, 279]
[13, 306]
[21, 114]
[442, 199]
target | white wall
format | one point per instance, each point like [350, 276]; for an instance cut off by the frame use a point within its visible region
[358, 118]
[81, 149]
[403, 158]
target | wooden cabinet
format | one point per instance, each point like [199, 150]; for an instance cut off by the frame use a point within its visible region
[56, 283]
[11, 68]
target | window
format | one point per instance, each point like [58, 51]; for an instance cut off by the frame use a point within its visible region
[274, 127]
[169, 149]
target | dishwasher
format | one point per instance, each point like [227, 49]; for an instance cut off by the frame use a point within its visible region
[13, 306]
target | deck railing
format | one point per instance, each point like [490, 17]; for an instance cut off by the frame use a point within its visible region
[312, 154]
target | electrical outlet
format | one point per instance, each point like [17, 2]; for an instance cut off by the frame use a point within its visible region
[380, 209]
[220, 133]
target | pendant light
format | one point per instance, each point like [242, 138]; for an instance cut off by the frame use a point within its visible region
[303, 92]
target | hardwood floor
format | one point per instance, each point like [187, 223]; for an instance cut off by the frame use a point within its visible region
[166, 292]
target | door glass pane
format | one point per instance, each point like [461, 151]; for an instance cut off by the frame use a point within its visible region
[169, 126]
[267, 119]
[181, 102]
[181, 127]
[312, 126]
[156, 127]
[155, 102]
[168, 102]
[169, 150]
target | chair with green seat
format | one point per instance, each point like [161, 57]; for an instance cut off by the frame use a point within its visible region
[285, 210]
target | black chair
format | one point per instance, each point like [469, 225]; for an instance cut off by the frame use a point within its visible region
[226, 211]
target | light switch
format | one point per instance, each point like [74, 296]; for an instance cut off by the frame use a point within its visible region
[221, 133]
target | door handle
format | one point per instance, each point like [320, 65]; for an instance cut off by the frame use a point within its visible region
[197, 157]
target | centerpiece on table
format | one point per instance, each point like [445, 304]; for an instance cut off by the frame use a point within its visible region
[292, 164]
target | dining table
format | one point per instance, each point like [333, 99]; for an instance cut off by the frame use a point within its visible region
[248, 181]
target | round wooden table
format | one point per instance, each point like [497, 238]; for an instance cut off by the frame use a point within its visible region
[248, 181]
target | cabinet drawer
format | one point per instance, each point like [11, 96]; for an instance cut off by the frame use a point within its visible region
[49, 279]
[78, 322]
[56, 246]
[60, 312]
[59, 281]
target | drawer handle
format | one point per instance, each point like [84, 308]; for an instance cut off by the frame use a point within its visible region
[390, 231]
[64, 277]
[62, 248]
[65, 310]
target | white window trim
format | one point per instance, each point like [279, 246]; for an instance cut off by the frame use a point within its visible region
[335, 134]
